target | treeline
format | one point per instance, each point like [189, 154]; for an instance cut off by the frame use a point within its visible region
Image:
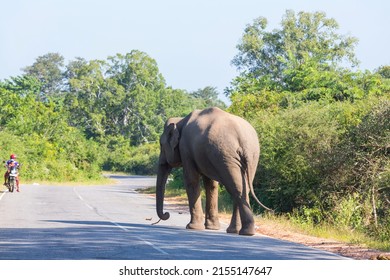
[70, 122]
[324, 127]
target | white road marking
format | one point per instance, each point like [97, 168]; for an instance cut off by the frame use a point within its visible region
[79, 196]
[153, 246]
[118, 225]
[3, 194]
[89, 206]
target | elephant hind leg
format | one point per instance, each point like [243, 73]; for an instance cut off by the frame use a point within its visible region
[248, 223]
[242, 216]
[212, 220]
[242, 221]
[235, 222]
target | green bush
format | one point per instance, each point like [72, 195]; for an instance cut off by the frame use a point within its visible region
[294, 143]
[351, 212]
[72, 159]
[144, 159]
[176, 181]
[307, 216]
[328, 163]
[141, 160]
[363, 168]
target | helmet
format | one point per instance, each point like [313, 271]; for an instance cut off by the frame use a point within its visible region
[13, 156]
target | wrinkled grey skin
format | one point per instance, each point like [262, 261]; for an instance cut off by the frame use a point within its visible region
[214, 146]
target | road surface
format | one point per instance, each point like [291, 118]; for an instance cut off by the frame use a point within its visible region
[115, 222]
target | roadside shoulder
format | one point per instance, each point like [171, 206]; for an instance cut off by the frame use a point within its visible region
[344, 249]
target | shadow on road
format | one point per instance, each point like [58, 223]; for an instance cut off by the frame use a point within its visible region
[80, 240]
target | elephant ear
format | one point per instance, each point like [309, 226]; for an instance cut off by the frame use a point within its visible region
[173, 136]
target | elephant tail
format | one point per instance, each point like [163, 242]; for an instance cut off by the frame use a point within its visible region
[257, 200]
[250, 185]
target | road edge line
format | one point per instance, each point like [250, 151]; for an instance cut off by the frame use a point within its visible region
[3, 194]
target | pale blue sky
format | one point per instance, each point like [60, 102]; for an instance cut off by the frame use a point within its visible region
[192, 41]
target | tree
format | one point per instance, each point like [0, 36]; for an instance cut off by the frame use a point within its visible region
[176, 103]
[209, 95]
[135, 69]
[48, 69]
[305, 43]
[124, 96]
[22, 114]
[89, 97]
[139, 76]
[13, 95]
[384, 71]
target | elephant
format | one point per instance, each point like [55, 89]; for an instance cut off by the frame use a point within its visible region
[214, 146]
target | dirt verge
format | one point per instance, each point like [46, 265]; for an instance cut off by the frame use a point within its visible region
[344, 249]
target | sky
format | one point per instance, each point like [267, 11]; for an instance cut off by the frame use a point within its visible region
[193, 42]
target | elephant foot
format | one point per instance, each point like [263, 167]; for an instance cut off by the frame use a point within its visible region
[212, 224]
[232, 230]
[248, 230]
[197, 226]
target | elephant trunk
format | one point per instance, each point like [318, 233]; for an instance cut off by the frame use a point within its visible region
[162, 177]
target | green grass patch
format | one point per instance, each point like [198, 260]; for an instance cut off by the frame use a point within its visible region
[324, 230]
[103, 180]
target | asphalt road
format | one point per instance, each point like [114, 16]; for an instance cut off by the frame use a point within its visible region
[115, 222]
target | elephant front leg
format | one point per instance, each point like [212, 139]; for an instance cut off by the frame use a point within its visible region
[194, 201]
[212, 220]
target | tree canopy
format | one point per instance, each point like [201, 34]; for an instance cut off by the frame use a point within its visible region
[48, 70]
[306, 53]
[117, 104]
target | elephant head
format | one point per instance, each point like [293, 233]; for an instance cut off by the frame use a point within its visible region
[169, 158]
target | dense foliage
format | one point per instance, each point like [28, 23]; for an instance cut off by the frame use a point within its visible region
[70, 122]
[324, 129]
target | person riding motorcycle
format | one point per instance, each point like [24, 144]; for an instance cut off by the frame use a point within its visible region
[11, 162]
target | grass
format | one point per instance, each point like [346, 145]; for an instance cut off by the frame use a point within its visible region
[327, 231]
[87, 182]
[346, 235]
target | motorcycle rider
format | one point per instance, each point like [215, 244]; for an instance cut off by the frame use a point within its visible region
[11, 162]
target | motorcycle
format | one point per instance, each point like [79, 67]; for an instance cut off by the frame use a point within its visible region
[13, 173]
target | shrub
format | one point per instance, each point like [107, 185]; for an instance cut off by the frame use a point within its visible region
[328, 163]
[71, 159]
[141, 160]
[295, 144]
